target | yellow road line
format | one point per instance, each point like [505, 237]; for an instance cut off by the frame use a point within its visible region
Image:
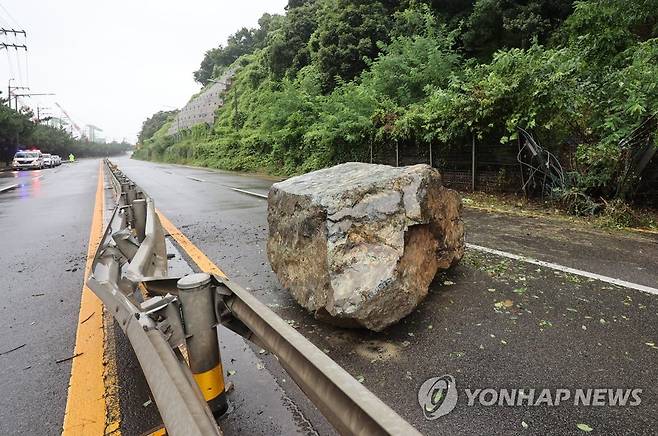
[202, 261]
[86, 403]
[112, 407]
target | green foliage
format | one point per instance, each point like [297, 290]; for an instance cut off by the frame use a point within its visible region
[242, 42]
[496, 24]
[153, 124]
[599, 30]
[408, 65]
[348, 34]
[17, 130]
[288, 50]
[14, 124]
[337, 80]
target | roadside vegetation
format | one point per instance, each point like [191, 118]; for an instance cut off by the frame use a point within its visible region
[336, 80]
[18, 130]
[618, 215]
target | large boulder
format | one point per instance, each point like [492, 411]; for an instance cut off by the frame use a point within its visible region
[359, 244]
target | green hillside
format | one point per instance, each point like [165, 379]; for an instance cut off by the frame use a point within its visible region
[336, 80]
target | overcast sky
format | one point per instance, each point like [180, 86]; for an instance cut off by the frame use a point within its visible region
[114, 63]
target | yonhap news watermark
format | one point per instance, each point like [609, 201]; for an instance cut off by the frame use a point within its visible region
[438, 396]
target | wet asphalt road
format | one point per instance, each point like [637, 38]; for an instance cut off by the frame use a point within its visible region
[44, 231]
[490, 322]
[554, 330]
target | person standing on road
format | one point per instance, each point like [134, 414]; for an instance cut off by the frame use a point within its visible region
[71, 157]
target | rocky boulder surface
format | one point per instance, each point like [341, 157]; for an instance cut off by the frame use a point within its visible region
[359, 244]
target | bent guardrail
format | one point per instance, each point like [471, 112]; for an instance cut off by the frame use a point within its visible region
[161, 314]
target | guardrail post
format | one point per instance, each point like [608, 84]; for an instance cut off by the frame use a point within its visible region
[198, 310]
[131, 193]
[139, 212]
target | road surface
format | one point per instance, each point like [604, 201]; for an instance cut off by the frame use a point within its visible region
[492, 322]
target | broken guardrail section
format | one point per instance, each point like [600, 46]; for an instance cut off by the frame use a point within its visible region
[162, 315]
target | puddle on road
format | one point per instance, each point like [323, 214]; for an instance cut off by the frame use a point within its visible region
[378, 350]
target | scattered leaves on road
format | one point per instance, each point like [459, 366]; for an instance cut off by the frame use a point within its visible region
[504, 304]
[584, 427]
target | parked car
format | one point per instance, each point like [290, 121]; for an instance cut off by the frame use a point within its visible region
[57, 160]
[48, 160]
[28, 160]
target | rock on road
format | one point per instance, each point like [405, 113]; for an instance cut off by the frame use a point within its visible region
[490, 322]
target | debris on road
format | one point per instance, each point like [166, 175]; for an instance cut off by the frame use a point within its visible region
[584, 427]
[69, 358]
[359, 244]
[13, 349]
[87, 318]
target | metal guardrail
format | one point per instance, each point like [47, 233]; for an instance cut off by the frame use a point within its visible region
[129, 274]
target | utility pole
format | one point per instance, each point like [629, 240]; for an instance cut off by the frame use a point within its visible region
[9, 91]
[7, 46]
[28, 94]
[40, 113]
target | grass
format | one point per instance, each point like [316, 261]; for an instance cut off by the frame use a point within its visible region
[614, 215]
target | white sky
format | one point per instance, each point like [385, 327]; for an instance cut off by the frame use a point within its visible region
[114, 63]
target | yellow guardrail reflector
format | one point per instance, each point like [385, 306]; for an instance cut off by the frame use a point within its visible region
[211, 382]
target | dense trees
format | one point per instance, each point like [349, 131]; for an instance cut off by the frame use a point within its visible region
[496, 24]
[154, 123]
[242, 42]
[17, 130]
[333, 80]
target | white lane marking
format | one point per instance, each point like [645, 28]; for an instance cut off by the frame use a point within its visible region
[566, 269]
[16, 185]
[7, 188]
[551, 265]
[255, 194]
[195, 179]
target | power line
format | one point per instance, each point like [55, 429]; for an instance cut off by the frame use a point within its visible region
[14, 31]
[9, 15]
[15, 46]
